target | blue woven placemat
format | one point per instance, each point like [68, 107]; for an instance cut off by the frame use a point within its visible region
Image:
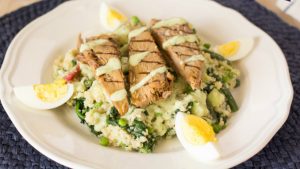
[282, 152]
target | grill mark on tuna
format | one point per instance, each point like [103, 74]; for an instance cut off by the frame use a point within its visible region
[143, 73]
[157, 62]
[137, 51]
[142, 40]
[108, 53]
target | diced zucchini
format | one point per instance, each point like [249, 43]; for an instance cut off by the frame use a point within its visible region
[216, 98]
[198, 109]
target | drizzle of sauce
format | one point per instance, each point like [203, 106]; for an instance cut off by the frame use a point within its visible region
[137, 58]
[175, 40]
[118, 95]
[193, 58]
[92, 44]
[136, 32]
[147, 78]
[169, 22]
[111, 65]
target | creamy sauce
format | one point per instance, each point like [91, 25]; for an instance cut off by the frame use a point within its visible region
[136, 32]
[147, 78]
[92, 44]
[111, 65]
[137, 58]
[193, 58]
[169, 22]
[118, 95]
[175, 40]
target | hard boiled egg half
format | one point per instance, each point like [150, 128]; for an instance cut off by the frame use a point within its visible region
[236, 49]
[110, 18]
[45, 96]
[196, 136]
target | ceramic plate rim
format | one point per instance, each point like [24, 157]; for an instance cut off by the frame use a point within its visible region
[285, 102]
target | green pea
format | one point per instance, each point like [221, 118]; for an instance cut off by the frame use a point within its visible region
[134, 20]
[103, 141]
[122, 122]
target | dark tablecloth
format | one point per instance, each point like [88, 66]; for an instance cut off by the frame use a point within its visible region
[282, 152]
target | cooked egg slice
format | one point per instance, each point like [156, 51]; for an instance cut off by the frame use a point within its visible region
[235, 50]
[196, 136]
[45, 96]
[110, 18]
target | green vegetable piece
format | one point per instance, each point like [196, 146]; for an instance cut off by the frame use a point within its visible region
[92, 129]
[230, 99]
[158, 113]
[103, 141]
[114, 112]
[134, 20]
[74, 62]
[212, 112]
[206, 45]
[88, 83]
[122, 122]
[138, 128]
[216, 98]
[217, 127]
[79, 108]
[188, 89]
[113, 117]
[197, 109]
[237, 83]
[98, 105]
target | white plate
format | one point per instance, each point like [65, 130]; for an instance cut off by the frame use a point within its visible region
[264, 96]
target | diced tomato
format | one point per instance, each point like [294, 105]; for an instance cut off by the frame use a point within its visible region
[69, 77]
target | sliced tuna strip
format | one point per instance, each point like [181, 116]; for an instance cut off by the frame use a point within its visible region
[180, 43]
[149, 78]
[102, 55]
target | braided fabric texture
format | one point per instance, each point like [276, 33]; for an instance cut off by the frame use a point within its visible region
[283, 151]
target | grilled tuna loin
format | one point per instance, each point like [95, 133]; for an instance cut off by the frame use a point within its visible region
[102, 55]
[149, 78]
[180, 43]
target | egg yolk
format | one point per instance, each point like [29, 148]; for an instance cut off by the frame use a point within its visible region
[51, 92]
[229, 49]
[114, 15]
[197, 131]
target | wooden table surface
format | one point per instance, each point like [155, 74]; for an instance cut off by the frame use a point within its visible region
[7, 6]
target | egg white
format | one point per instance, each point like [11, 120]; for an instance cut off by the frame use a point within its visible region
[27, 96]
[246, 45]
[104, 11]
[203, 153]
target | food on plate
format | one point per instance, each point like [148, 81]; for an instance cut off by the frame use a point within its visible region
[45, 96]
[177, 37]
[149, 77]
[197, 136]
[110, 18]
[138, 84]
[236, 49]
[182, 77]
[101, 53]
